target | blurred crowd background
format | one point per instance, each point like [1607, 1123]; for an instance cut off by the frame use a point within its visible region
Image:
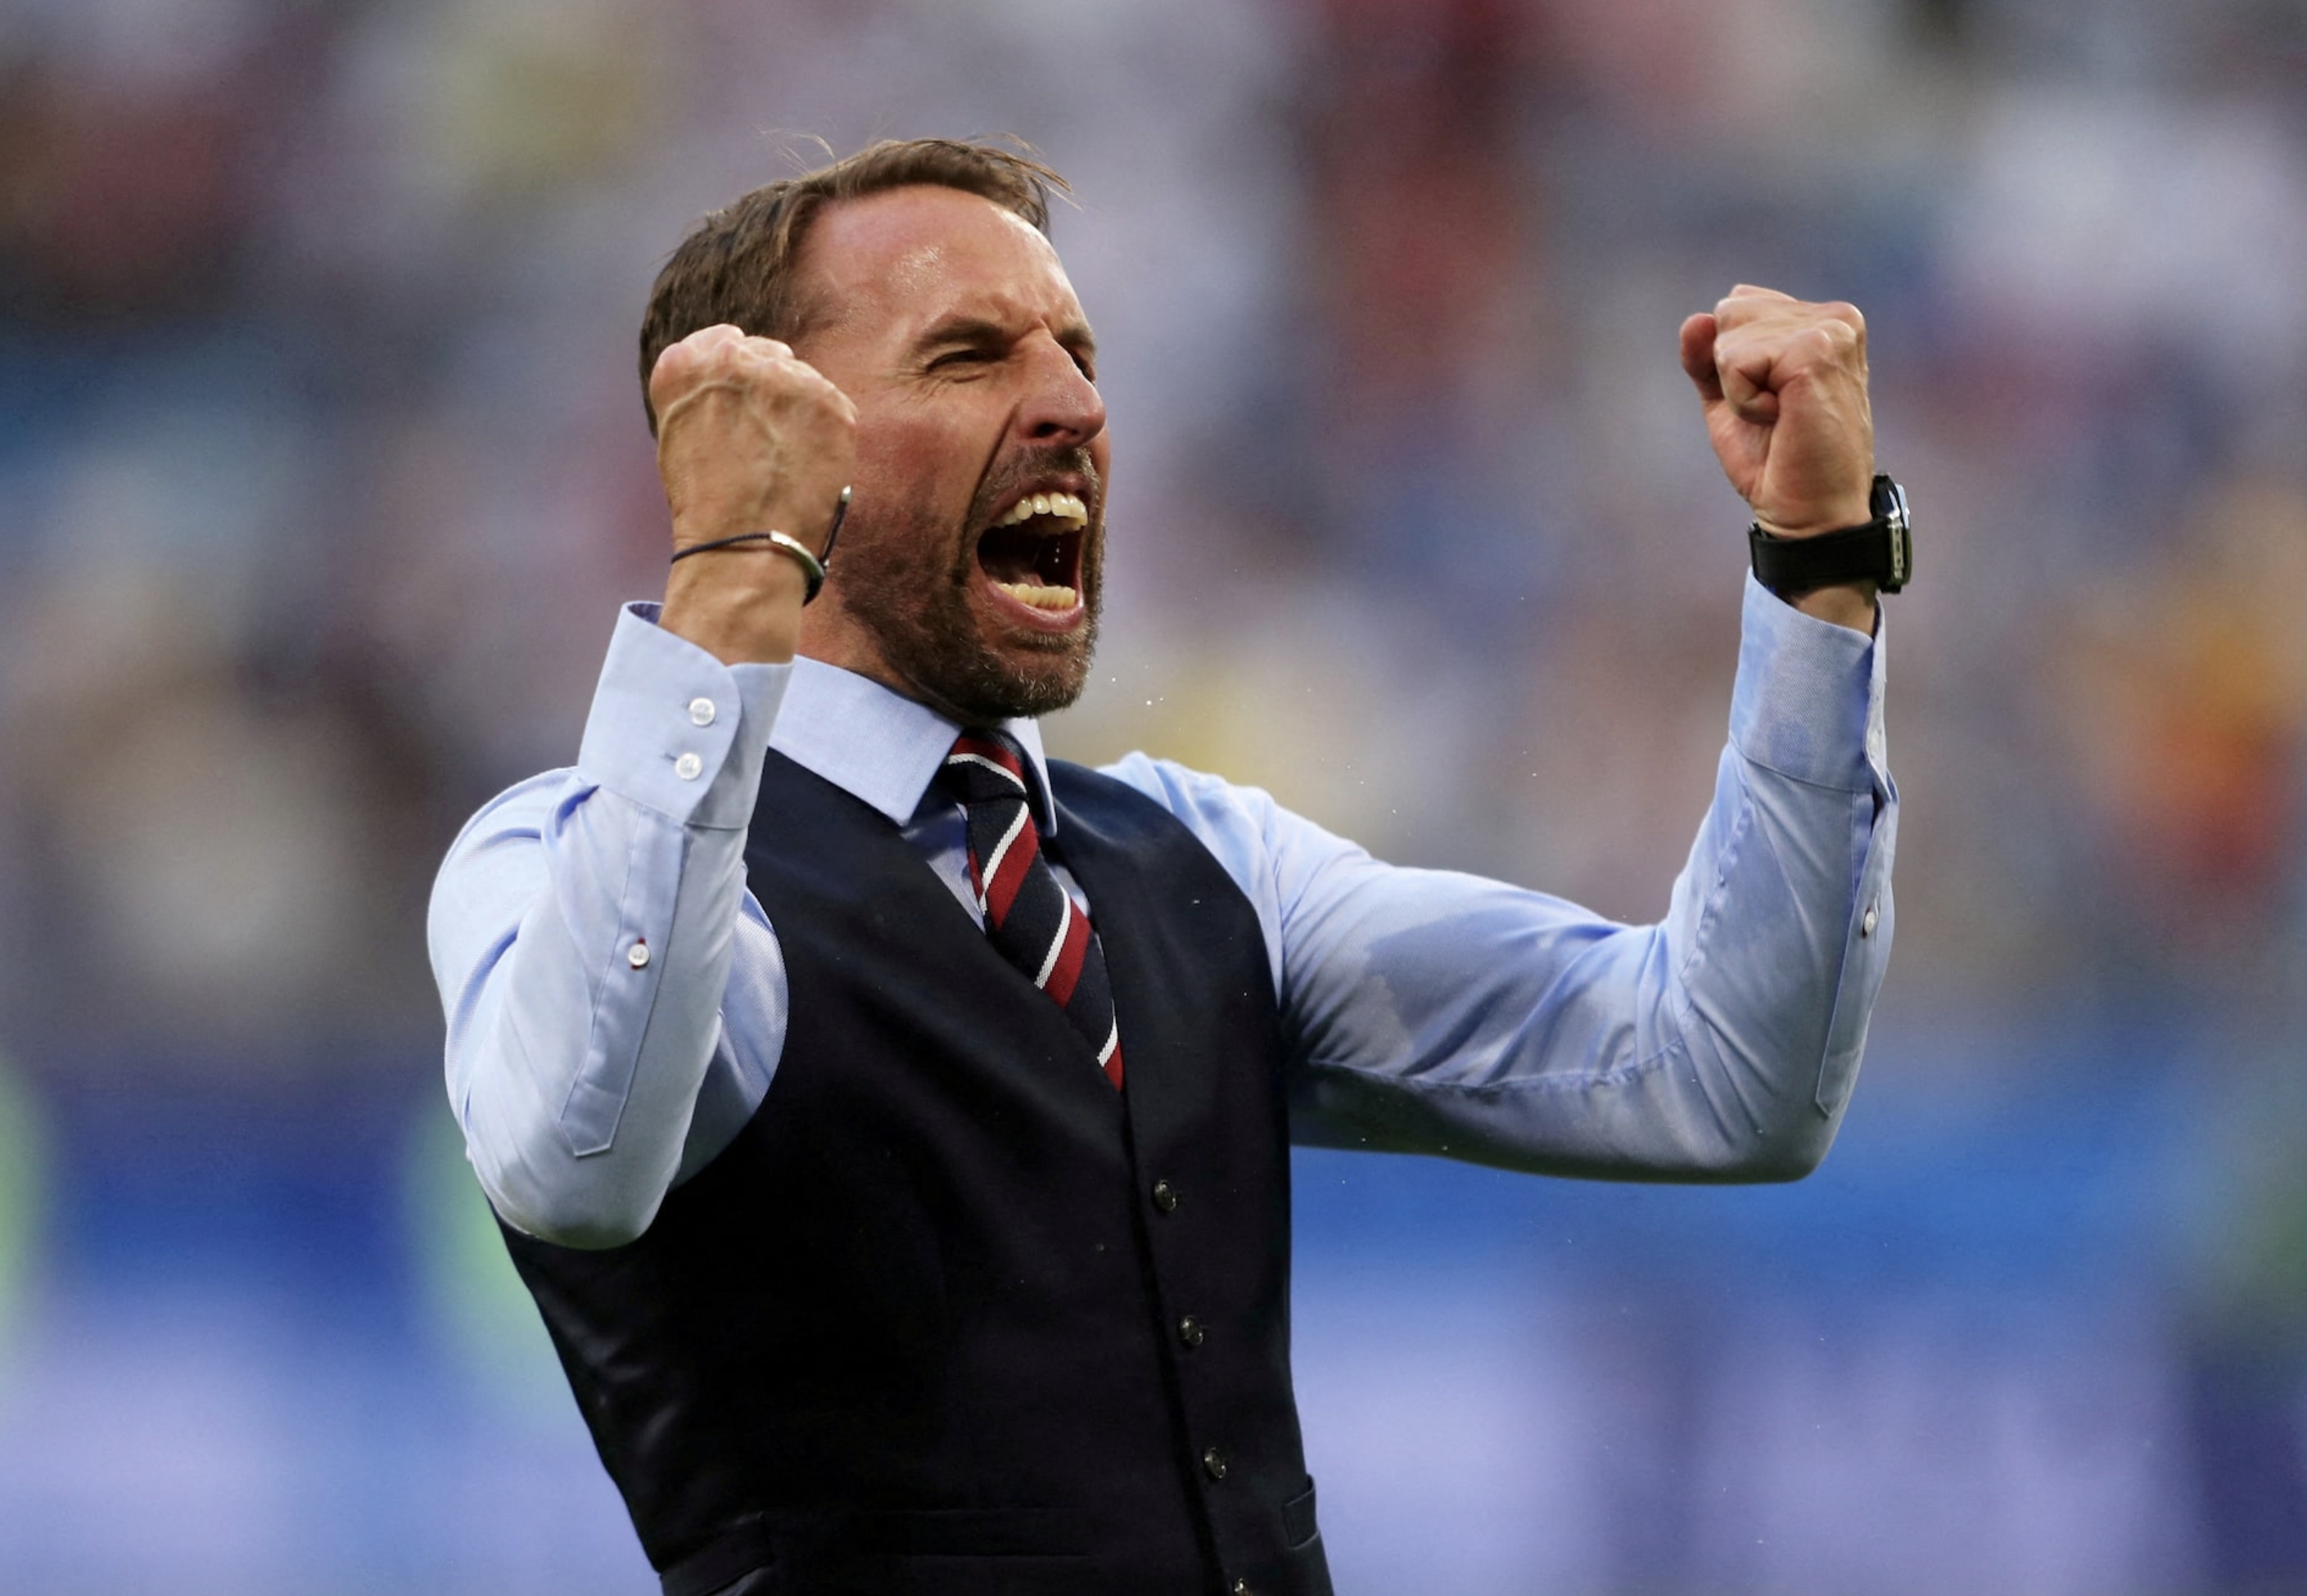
[323, 470]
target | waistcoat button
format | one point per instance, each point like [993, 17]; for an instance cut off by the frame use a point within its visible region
[1213, 1462]
[1165, 1197]
[1190, 1330]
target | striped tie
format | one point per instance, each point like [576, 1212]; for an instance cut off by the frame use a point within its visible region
[1030, 917]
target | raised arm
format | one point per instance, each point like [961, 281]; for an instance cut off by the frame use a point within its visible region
[1438, 1012]
[584, 926]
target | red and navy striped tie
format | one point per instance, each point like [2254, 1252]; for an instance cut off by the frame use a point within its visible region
[1030, 917]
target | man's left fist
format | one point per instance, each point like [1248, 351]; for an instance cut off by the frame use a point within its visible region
[1784, 387]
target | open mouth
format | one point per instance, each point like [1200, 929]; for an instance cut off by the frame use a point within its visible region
[1033, 551]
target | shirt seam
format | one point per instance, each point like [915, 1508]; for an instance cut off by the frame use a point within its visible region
[1742, 829]
[1617, 1075]
[1873, 785]
[595, 1047]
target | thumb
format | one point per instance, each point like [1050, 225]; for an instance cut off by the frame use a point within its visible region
[1698, 335]
[1744, 387]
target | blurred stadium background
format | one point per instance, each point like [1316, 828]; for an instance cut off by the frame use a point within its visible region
[321, 470]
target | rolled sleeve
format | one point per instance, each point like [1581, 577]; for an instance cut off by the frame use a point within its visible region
[1818, 780]
[582, 931]
[1792, 709]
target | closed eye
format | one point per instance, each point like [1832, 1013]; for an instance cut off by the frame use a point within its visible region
[952, 358]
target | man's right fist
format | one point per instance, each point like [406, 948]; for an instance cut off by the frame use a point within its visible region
[749, 438]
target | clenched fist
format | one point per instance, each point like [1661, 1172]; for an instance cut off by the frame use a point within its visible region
[749, 439]
[1784, 386]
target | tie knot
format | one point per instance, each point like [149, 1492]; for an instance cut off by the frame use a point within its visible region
[986, 766]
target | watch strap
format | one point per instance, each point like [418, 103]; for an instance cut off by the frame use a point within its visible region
[1880, 551]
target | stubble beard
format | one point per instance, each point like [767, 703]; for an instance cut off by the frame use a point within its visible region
[910, 583]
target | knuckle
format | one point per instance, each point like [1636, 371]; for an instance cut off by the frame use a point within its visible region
[1844, 339]
[825, 394]
[1820, 340]
[675, 370]
[803, 387]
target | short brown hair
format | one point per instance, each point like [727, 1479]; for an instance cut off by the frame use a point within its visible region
[738, 265]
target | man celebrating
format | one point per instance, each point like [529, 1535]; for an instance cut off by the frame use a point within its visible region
[893, 1124]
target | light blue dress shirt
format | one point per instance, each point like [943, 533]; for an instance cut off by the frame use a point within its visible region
[616, 998]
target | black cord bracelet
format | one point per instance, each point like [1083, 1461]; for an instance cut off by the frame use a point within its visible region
[812, 566]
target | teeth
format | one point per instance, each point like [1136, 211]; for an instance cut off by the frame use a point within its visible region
[1038, 596]
[1066, 505]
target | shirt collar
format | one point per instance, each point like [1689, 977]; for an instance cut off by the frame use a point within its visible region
[878, 747]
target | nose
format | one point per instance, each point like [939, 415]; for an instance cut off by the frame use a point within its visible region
[1062, 406]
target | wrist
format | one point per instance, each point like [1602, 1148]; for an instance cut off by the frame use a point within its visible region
[741, 605]
[739, 595]
[1866, 558]
[1841, 514]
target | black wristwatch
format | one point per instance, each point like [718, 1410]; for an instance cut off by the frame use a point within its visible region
[1881, 552]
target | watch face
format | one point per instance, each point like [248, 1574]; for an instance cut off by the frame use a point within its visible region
[1889, 503]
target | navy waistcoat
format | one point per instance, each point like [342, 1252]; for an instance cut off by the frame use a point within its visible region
[950, 1314]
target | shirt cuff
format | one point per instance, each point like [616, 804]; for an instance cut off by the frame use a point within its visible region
[674, 729]
[1808, 700]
